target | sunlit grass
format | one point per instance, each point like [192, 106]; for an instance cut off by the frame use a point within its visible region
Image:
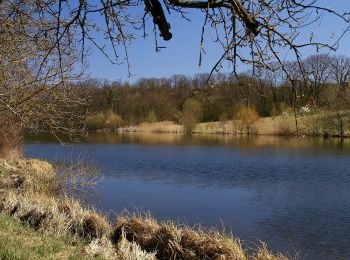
[18, 241]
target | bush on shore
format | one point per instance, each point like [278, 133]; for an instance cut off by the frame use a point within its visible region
[106, 120]
[246, 115]
[151, 117]
[191, 115]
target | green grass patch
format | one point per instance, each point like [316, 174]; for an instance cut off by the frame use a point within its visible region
[19, 242]
[4, 173]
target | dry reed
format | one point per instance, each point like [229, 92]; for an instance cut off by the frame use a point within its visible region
[170, 241]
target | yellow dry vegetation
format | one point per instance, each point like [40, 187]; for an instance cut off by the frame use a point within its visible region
[159, 127]
[171, 241]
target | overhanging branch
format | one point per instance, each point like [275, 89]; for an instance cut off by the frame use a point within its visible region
[155, 7]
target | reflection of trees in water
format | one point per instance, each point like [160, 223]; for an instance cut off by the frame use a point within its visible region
[248, 142]
[254, 162]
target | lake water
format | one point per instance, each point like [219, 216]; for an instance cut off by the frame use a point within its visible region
[292, 194]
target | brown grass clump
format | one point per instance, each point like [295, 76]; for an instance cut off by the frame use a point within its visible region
[286, 125]
[211, 244]
[38, 176]
[28, 194]
[171, 242]
[8, 177]
[124, 250]
[34, 205]
[46, 214]
[27, 201]
[65, 218]
[130, 251]
[100, 247]
[28, 175]
[264, 254]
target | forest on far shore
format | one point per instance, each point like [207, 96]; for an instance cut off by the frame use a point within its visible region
[322, 86]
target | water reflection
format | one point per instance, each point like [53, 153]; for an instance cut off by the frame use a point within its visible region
[291, 193]
[200, 139]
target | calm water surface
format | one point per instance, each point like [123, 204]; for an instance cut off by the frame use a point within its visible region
[293, 194]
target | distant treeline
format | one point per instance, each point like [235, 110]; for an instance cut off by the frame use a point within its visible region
[323, 83]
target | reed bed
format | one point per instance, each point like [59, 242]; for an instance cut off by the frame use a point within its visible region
[159, 127]
[171, 241]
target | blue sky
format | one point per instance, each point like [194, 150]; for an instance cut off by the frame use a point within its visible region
[182, 52]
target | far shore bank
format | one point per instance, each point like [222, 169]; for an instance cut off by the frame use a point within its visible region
[272, 126]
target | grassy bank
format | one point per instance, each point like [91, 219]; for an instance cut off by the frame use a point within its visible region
[278, 125]
[319, 124]
[264, 126]
[18, 241]
[31, 206]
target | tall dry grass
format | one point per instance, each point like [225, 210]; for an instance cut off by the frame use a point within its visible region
[171, 241]
[245, 115]
[28, 192]
[31, 196]
[159, 127]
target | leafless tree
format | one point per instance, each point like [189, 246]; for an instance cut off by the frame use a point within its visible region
[34, 93]
[340, 70]
[318, 75]
[267, 29]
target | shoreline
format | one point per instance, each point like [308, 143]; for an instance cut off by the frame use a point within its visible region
[268, 126]
[28, 194]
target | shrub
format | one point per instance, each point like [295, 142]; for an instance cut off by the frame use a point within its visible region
[278, 109]
[338, 122]
[95, 122]
[77, 176]
[113, 120]
[109, 120]
[247, 115]
[316, 123]
[151, 117]
[191, 114]
[286, 125]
